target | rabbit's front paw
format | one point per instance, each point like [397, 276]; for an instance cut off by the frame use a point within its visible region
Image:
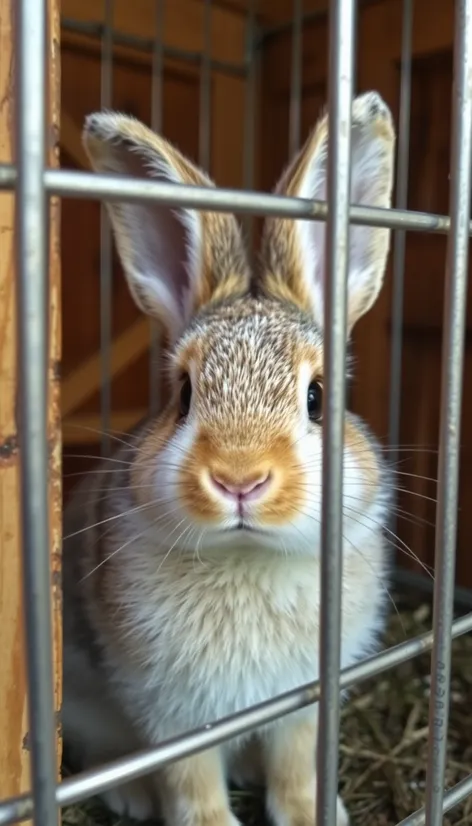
[186, 817]
[223, 818]
[300, 811]
[342, 817]
[195, 794]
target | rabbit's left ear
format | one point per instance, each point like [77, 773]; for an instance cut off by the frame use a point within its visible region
[294, 250]
[176, 260]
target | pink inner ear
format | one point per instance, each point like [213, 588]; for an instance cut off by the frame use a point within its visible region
[161, 246]
[312, 236]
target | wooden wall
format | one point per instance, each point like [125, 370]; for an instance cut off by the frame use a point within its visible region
[378, 67]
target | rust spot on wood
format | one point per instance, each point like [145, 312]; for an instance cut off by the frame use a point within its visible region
[26, 742]
[8, 449]
[54, 137]
[56, 579]
[56, 370]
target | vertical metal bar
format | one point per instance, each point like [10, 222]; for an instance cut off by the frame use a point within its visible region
[250, 114]
[32, 310]
[341, 81]
[205, 92]
[296, 78]
[106, 260]
[399, 241]
[455, 303]
[157, 108]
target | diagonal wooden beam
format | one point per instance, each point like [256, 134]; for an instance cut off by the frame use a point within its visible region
[87, 429]
[85, 380]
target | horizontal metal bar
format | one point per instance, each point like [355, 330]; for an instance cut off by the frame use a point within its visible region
[451, 798]
[65, 182]
[89, 783]
[68, 183]
[89, 185]
[146, 44]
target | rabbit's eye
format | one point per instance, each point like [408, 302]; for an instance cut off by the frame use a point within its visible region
[185, 396]
[315, 401]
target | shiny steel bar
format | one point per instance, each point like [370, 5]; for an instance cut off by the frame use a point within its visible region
[451, 798]
[88, 29]
[250, 114]
[205, 119]
[399, 244]
[340, 89]
[296, 79]
[32, 247]
[157, 108]
[112, 774]
[65, 183]
[106, 274]
[455, 304]
[68, 183]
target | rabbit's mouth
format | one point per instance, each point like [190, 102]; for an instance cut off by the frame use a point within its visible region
[243, 526]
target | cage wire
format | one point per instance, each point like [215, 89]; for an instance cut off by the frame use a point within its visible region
[34, 185]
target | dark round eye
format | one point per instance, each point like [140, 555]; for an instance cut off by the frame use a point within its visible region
[315, 401]
[185, 396]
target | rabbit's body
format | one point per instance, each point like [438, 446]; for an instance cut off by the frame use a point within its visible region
[178, 642]
[192, 568]
[202, 638]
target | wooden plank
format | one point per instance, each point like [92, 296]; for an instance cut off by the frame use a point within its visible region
[14, 756]
[183, 27]
[54, 360]
[71, 141]
[85, 380]
[87, 429]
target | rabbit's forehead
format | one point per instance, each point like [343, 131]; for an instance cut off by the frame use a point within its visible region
[258, 355]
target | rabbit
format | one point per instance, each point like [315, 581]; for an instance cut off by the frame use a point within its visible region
[192, 557]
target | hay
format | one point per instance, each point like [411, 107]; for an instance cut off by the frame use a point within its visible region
[384, 735]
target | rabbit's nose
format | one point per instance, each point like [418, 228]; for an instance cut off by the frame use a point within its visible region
[244, 490]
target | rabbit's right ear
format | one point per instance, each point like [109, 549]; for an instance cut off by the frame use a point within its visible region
[294, 252]
[175, 260]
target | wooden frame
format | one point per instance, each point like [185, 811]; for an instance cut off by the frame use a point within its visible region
[14, 757]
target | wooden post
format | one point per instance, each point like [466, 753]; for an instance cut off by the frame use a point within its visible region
[14, 754]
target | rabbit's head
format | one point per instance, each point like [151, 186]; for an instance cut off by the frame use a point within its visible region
[235, 457]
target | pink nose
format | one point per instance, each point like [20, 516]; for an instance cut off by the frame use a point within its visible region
[244, 491]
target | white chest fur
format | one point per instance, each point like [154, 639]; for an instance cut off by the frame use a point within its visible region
[208, 638]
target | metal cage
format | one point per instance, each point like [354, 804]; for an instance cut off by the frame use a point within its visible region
[34, 184]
